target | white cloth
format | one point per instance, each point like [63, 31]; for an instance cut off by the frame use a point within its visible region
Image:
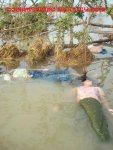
[20, 73]
[6, 77]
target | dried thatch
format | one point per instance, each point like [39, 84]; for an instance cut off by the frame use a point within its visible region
[9, 54]
[9, 50]
[38, 51]
[76, 57]
[10, 63]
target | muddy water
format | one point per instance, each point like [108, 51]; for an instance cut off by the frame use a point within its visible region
[43, 115]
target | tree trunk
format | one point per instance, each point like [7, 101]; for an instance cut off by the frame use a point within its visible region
[71, 28]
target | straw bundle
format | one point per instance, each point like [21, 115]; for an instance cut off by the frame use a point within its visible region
[10, 63]
[38, 51]
[76, 57]
[9, 50]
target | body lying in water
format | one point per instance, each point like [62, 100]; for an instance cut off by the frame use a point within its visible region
[88, 90]
[92, 99]
[46, 74]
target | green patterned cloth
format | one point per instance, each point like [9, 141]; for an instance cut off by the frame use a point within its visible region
[96, 116]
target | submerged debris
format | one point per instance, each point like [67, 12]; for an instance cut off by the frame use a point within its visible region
[76, 57]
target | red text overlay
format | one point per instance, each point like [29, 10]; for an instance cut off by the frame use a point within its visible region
[53, 9]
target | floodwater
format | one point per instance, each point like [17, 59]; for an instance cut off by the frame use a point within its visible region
[43, 115]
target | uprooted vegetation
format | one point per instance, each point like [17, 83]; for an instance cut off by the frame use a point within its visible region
[38, 51]
[11, 50]
[9, 55]
[10, 63]
[79, 56]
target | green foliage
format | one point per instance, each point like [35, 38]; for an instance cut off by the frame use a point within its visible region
[81, 36]
[37, 19]
[110, 10]
[5, 19]
[64, 23]
[65, 1]
[25, 24]
[92, 3]
[79, 14]
[33, 22]
[17, 3]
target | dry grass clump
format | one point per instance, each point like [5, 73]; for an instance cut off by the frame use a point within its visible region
[9, 54]
[9, 50]
[10, 63]
[79, 56]
[38, 51]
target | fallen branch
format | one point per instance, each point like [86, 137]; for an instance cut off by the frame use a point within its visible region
[52, 22]
[11, 29]
[98, 41]
[102, 32]
[70, 45]
[101, 25]
[47, 32]
[102, 41]
[93, 24]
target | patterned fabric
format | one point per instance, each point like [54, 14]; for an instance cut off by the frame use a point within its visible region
[95, 113]
[84, 92]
